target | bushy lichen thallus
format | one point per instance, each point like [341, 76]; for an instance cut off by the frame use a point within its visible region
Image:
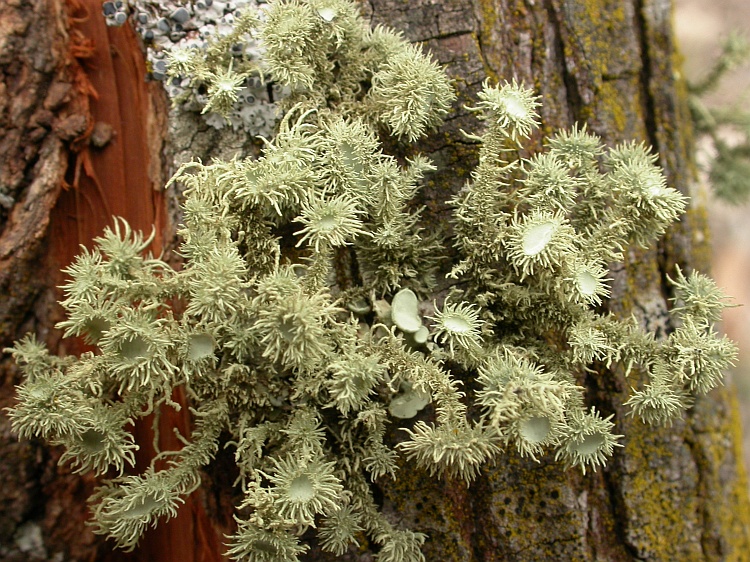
[307, 376]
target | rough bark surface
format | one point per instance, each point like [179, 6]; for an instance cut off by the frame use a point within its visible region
[676, 493]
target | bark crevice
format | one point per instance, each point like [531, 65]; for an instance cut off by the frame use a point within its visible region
[573, 100]
[646, 75]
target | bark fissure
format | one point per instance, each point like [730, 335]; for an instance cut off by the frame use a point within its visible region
[574, 100]
[697, 455]
[616, 503]
[451, 34]
[646, 76]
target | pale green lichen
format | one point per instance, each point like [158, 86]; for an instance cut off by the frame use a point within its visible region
[258, 334]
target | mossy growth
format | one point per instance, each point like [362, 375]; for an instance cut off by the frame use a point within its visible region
[308, 375]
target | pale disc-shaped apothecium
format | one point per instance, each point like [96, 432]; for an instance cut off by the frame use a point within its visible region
[539, 241]
[510, 107]
[329, 222]
[405, 312]
[533, 432]
[458, 324]
[587, 441]
[587, 280]
[304, 490]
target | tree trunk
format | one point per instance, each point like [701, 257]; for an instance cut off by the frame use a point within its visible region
[676, 493]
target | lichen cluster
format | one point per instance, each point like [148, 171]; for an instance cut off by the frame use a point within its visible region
[308, 368]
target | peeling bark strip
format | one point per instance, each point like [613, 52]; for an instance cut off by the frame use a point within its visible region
[671, 494]
[121, 177]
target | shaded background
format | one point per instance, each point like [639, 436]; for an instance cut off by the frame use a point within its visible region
[700, 27]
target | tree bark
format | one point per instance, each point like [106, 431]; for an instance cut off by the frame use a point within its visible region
[676, 493]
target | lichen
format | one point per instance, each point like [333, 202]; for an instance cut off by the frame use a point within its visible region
[307, 373]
